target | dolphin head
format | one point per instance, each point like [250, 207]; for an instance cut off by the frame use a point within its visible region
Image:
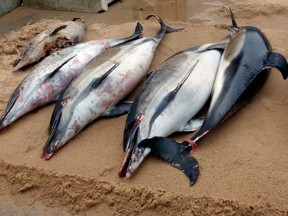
[134, 154]
[49, 149]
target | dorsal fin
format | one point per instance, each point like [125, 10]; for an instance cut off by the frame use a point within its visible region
[60, 66]
[57, 29]
[169, 97]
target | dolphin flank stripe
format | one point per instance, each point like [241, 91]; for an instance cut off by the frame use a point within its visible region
[169, 97]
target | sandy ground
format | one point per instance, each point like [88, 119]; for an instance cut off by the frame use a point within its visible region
[244, 162]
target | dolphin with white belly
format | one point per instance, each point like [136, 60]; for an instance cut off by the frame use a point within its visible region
[100, 88]
[51, 76]
[242, 71]
[169, 100]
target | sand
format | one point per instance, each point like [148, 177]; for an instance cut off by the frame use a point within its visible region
[243, 163]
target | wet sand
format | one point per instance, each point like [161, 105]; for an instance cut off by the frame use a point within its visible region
[243, 162]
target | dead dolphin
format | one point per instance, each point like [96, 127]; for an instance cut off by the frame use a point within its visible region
[169, 100]
[56, 36]
[242, 71]
[51, 76]
[100, 88]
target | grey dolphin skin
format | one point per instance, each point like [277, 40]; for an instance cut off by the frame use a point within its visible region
[51, 76]
[169, 100]
[100, 88]
[56, 36]
[242, 71]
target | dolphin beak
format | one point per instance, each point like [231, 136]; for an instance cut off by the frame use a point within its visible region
[21, 64]
[46, 156]
[49, 150]
[137, 157]
[133, 158]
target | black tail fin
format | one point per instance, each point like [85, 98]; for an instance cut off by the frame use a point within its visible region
[234, 24]
[276, 60]
[178, 154]
[164, 28]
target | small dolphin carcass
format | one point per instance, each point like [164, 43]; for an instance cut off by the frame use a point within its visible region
[55, 37]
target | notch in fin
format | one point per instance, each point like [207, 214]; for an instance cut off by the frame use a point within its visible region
[178, 154]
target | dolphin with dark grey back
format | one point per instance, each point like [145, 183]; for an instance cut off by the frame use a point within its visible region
[169, 100]
[101, 87]
[51, 76]
[243, 70]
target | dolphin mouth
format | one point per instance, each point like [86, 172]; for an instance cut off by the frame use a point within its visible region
[47, 156]
[125, 163]
[21, 64]
[49, 150]
[133, 158]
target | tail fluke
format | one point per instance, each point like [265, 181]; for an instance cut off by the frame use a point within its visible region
[164, 28]
[178, 154]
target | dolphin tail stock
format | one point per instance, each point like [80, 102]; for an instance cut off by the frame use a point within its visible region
[164, 28]
[178, 154]
[276, 60]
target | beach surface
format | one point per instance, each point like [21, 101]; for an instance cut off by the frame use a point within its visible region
[243, 162]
